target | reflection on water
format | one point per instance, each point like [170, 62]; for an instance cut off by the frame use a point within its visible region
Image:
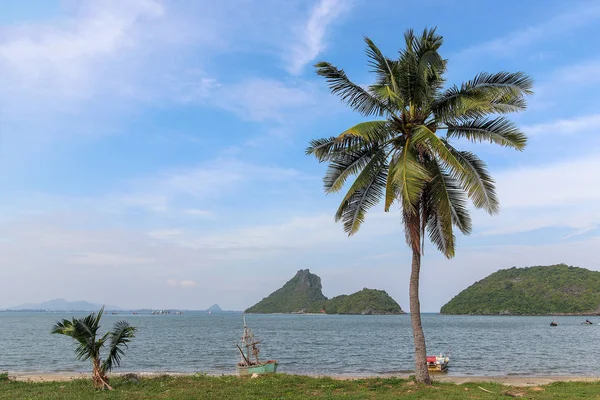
[316, 344]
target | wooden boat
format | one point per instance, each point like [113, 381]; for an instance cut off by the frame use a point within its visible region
[249, 363]
[438, 363]
[553, 323]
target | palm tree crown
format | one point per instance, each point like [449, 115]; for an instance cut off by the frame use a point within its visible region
[407, 155]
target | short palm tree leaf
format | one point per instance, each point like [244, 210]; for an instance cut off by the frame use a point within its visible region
[352, 94]
[327, 148]
[392, 186]
[498, 130]
[385, 94]
[476, 181]
[386, 71]
[64, 327]
[120, 336]
[446, 190]
[486, 94]
[518, 83]
[409, 176]
[424, 137]
[369, 132]
[440, 233]
[345, 165]
[365, 192]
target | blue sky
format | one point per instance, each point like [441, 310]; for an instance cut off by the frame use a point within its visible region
[152, 152]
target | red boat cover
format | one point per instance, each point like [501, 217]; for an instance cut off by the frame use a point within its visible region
[431, 359]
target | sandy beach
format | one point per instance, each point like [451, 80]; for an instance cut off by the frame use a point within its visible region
[521, 381]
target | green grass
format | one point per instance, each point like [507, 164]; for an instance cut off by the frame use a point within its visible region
[283, 386]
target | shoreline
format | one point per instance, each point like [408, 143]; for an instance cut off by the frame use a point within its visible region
[508, 380]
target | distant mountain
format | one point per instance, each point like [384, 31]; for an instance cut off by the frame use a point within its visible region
[303, 293]
[214, 308]
[63, 305]
[541, 290]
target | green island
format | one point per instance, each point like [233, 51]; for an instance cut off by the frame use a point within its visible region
[282, 386]
[540, 290]
[303, 294]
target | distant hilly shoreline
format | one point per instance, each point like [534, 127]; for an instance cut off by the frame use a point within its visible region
[65, 305]
[539, 290]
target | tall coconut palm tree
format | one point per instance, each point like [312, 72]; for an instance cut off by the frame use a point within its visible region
[407, 156]
[85, 331]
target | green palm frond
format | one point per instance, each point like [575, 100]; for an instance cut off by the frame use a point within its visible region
[352, 94]
[369, 132]
[365, 192]
[476, 181]
[326, 149]
[121, 334]
[498, 130]
[447, 191]
[64, 327]
[386, 71]
[409, 176]
[424, 137]
[345, 165]
[486, 94]
[517, 83]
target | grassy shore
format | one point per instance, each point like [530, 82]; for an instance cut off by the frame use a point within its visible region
[283, 386]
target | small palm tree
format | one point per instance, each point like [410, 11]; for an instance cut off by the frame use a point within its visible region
[406, 157]
[84, 330]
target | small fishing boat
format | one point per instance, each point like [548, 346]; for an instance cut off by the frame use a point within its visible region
[553, 323]
[249, 363]
[438, 363]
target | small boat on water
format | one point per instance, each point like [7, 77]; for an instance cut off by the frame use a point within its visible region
[438, 363]
[249, 363]
[553, 323]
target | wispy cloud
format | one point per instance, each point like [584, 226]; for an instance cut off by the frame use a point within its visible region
[181, 283]
[574, 18]
[580, 125]
[64, 61]
[553, 195]
[266, 99]
[310, 36]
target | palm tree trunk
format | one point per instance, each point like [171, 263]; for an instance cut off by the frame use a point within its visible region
[98, 377]
[421, 372]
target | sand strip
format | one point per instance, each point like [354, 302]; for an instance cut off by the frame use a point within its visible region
[505, 380]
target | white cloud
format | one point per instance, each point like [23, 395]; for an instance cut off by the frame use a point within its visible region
[310, 36]
[63, 61]
[587, 124]
[565, 183]
[554, 195]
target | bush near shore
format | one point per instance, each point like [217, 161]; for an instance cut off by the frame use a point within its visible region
[282, 386]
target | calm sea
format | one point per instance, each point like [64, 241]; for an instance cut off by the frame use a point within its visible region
[316, 344]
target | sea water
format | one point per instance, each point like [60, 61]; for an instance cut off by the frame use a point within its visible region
[315, 344]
